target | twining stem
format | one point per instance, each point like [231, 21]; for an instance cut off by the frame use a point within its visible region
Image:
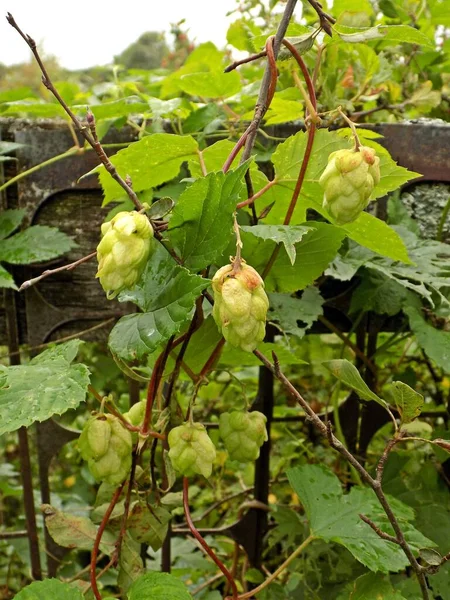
[262, 102]
[86, 132]
[27, 284]
[209, 551]
[153, 386]
[325, 430]
[278, 572]
[306, 156]
[98, 539]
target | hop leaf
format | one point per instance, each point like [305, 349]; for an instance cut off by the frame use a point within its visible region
[240, 306]
[348, 182]
[123, 251]
[191, 450]
[106, 446]
[243, 434]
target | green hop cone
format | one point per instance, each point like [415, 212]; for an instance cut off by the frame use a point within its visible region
[348, 182]
[106, 446]
[123, 251]
[191, 450]
[243, 434]
[240, 306]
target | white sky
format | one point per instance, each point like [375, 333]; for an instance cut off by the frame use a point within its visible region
[87, 33]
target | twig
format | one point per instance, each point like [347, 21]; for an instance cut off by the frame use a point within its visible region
[243, 61]
[386, 452]
[98, 539]
[326, 431]
[88, 134]
[325, 20]
[209, 551]
[63, 339]
[27, 284]
[262, 102]
[378, 531]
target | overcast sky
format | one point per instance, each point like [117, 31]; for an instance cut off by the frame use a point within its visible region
[90, 32]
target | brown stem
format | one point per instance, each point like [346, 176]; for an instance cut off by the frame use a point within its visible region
[306, 157]
[84, 131]
[243, 61]
[378, 531]
[325, 20]
[26, 284]
[262, 102]
[325, 430]
[257, 195]
[126, 510]
[153, 386]
[209, 551]
[98, 539]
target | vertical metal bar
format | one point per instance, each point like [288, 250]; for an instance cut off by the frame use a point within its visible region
[24, 450]
[264, 403]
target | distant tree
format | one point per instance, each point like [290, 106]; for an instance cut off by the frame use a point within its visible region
[146, 53]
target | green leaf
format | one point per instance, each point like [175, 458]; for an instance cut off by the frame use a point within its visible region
[161, 208]
[373, 586]
[9, 221]
[435, 342]
[117, 108]
[6, 279]
[427, 274]
[148, 524]
[49, 588]
[7, 148]
[283, 111]
[130, 563]
[202, 220]
[378, 293]
[166, 293]
[315, 251]
[366, 230]
[387, 33]
[408, 402]
[289, 235]
[372, 233]
[334, 517]
[72, 531]
[151, 161]
[349, 375]
[48, 385]
[212, 84]
[158, 586]
[35, 244]
[296, 315]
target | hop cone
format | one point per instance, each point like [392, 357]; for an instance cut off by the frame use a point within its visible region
[106, 446]
[243, 434]
[240, 306]
[191, 449]
[348, 182]
[123, 251]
